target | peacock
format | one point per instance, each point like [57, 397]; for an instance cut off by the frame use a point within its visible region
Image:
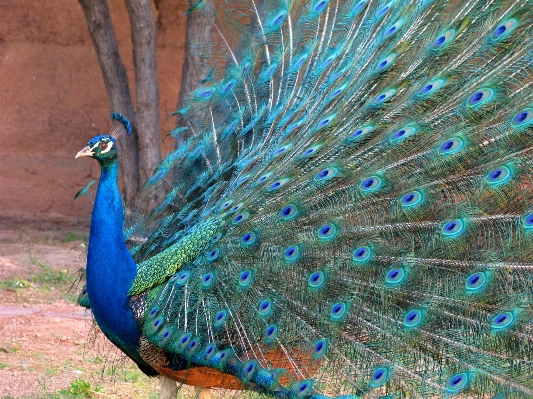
[350, 214]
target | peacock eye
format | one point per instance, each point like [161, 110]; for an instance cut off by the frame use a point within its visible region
[102, 145]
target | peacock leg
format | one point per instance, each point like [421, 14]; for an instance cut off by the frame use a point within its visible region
[203, 393]
[168, 388]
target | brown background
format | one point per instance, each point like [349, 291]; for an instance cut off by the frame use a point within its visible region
[52, 99]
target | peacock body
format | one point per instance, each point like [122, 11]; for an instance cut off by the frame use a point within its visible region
[352, 215]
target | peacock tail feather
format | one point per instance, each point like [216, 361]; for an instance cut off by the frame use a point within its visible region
[160, 267]
[353, 213]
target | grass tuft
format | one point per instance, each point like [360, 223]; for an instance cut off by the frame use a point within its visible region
[81, 389]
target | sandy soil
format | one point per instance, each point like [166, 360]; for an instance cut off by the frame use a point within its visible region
[48, 345]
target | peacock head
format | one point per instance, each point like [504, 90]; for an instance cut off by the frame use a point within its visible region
[102, 148]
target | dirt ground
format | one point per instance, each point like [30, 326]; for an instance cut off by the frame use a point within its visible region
[48, 345]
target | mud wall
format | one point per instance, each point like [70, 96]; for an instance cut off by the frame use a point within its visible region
[52, 98]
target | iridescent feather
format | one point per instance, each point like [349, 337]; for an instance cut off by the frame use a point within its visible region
[365, 172]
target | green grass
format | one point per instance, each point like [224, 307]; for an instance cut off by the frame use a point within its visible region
[121, 373]
[132, 375]
[49, 234]
[51, 371]
[79, 389]
[68, 364]
[95, 360]
[3, 366]
[49, 276]
[13, 346]
[15, 285]
[73, 236]
[47, 280]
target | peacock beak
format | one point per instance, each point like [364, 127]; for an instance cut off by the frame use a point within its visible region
[85, 152]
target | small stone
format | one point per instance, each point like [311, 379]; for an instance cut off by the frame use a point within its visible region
[77, 372]
[63, 338]
[37, 335]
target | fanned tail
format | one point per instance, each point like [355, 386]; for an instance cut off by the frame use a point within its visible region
[372, 164]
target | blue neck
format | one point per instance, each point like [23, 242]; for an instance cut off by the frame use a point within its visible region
[110, 267]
